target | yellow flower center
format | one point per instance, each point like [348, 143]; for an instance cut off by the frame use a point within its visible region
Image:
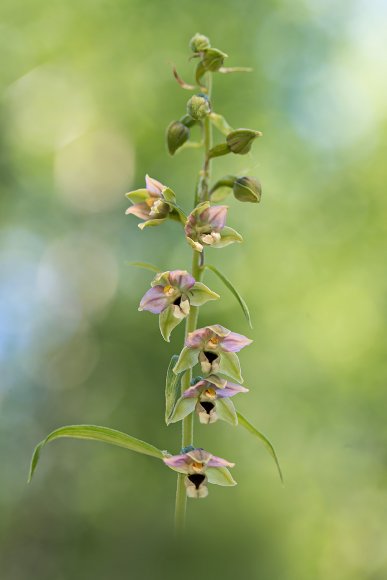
[213, 342]
[197, 466]
[210, 392]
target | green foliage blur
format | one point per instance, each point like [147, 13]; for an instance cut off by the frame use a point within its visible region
[86, 94]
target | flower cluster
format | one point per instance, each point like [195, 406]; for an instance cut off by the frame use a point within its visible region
[176, 295]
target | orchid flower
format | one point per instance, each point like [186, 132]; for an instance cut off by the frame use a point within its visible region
[210, 399]
[214, 347]
[150, 204]
[171, 296]
[200, 468]
[205, 226]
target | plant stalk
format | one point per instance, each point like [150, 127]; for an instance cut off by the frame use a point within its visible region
[192, 319]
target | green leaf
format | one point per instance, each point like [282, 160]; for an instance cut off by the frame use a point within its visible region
[172, 388]
[200, 294]
[145, 266]
[220, 123]
[95, 433]
[233, 290]
[230, 366]
[251, 429]
[220, 476]
[187, 359]
[226, 411]
[184, 406]
[167, 322]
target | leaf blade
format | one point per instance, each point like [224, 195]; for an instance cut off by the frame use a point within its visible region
[95, 433]
[233, 291]
[251, 429]
[172, 388]
[145, 266]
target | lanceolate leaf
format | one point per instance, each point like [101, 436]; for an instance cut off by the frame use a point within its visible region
[233, 290]
[145, 266]
[95, 433]
[172, 388]
[247, 425]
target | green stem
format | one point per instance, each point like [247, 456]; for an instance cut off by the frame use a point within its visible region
[192, 319]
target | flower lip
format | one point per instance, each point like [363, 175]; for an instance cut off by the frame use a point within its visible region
[197, 479]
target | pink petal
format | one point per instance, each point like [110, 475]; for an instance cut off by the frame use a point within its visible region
[219, 462]
[230, 390]
[195, 390]
[154, 300]
[179, 461]
[234, 342]
[181, 279]
[154, 186]
[215, 216]
[197, 338]
[140, 210]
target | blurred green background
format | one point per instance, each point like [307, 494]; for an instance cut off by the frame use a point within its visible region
[87, 92]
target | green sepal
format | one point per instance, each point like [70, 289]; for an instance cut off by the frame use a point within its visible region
[230, 366]
[218, 150]
[220, 123]
[167, 322]
[187, 359]
[226, 411]
[138, 195]
[227, 236]
[172, 388]
[169, 195]
[251, 429]
[152, 223]
[184, 406]
[200, 294]
[233, 290]
[220, 476]
[95, 433]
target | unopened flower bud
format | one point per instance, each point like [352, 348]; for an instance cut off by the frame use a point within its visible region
[177, 135]
[199, 42]
[213, 59]
[198, 106]
[247, 189]
[240, 141]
